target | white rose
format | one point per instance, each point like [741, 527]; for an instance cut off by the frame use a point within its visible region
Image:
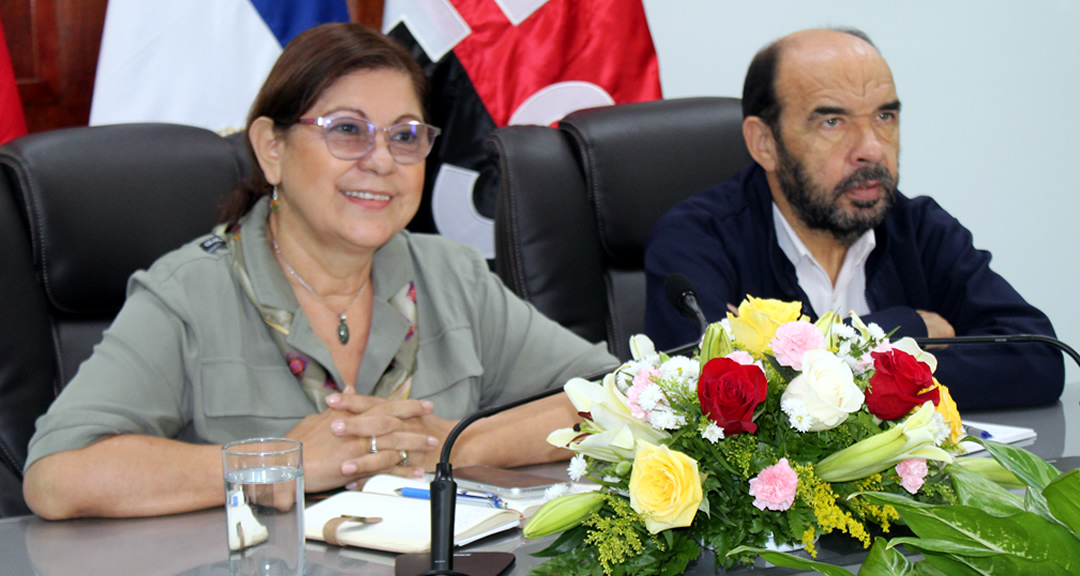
[827, 389]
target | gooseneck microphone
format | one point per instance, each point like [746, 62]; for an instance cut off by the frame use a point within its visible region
[682, 295]
[1002, 339]
[441, 560]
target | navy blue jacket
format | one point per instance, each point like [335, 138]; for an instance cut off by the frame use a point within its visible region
[724, 241]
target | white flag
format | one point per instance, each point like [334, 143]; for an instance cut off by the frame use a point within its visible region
[197, 62]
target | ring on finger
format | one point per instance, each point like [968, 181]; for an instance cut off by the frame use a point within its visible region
[374, 448]
[404, 458]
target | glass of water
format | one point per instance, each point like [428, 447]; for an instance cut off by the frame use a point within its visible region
[264, 506]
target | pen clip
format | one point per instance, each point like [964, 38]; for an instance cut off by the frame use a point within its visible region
[492, 498]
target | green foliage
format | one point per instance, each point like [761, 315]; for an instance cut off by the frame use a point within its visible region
[989, 531]
[1063, 499]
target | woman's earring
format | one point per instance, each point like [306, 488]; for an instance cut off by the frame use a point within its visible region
[274, 205]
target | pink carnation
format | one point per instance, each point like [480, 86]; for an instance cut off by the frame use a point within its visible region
[867, 361]
[793, 339]
[912, 473]
[774, 487]
[744, 358]
[644, 378]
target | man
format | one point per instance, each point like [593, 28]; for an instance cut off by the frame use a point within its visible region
[817, 218]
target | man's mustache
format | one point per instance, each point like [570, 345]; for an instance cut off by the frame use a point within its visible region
[865, 176]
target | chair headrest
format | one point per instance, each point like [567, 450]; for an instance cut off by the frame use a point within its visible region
[102, 202]
[656, 153]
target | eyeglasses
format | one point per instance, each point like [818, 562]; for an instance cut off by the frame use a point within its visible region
[352, 138]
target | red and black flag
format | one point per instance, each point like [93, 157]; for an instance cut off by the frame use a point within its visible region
[492, 64]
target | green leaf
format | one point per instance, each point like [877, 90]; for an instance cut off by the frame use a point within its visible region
[566, 542]
[1063, 500]
[990, 565]
[669, 538]
[1036, 504]
[1029, 468]
[927, 569]
[976, 491]
[684, 551]
[883, 560]
[790, 561]
[943, 546]
[1024, 543]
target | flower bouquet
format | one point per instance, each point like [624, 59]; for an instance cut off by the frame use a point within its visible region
[757, 441]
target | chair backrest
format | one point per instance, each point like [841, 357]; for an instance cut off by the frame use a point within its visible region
[577, 203]
[81, 210]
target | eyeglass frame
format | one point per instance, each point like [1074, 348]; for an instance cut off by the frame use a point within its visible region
[324, 122]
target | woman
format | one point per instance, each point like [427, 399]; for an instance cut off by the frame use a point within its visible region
[312, 314]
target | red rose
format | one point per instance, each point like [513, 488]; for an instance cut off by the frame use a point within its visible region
[729, 392]
[896, 385]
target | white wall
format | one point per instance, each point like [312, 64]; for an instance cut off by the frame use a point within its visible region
[990, 121]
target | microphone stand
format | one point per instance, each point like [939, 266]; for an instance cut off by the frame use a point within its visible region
[1002, 339]
[440, 562]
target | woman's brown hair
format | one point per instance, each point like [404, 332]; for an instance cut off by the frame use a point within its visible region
[308, 66]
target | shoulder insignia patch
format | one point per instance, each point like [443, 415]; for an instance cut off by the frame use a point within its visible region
[212, 243]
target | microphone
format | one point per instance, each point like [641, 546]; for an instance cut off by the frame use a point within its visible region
[682, 295]
[440, 561]
[1002, 339]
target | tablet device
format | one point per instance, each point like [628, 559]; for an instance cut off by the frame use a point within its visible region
[503, 483]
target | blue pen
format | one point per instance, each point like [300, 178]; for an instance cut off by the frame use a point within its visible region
[973, 431]
[482, 498]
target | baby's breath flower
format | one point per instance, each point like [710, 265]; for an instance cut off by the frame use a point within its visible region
[713, 433]
[651, 396]
[798, 416]
[875, 332]
[844, 349]
[578, 467]
[556, 490]
[943, 429]
[665, 419]
[844, 331]
[680, 368]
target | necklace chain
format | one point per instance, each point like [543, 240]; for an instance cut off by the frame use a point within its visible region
[343, 328]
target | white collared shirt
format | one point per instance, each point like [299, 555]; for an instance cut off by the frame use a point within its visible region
[849, 293]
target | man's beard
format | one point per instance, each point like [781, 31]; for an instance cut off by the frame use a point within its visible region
[819, 209]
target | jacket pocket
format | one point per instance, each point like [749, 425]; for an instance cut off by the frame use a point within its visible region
[241, 401]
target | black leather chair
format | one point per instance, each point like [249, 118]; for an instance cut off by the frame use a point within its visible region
[577, 203]
[81, 210]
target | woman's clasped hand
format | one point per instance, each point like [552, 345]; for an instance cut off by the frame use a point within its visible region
[338, 441]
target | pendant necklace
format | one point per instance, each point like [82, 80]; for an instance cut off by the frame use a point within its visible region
[343, 328]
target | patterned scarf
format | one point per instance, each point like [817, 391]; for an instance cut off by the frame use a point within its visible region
[317, 384]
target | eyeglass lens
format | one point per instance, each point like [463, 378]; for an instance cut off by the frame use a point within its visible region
[352, 138]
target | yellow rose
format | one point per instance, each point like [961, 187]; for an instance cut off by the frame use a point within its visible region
[947, 408]
[665, 487]
[758, 320]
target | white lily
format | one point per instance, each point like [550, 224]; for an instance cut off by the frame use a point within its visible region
[641, 346]
[909, 345]
[825, 324]
[913, 438]
[611, 430]
[608, 445]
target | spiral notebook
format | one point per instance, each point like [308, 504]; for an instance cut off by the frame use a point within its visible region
[406, 522]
